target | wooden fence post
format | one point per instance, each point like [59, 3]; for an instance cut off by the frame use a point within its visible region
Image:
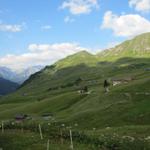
[2, 127]
[71, 140]
[40, 130]
[48, 145]
[61, 137]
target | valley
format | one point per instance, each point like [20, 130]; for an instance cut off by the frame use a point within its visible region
[52, 97]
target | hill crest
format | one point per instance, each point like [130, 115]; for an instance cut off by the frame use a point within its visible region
[136, 47]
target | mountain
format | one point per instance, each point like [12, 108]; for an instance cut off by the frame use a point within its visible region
[7, 73]
[136, 47]
[7, 86]
[18, 76]
[31, 70]
[56, 90]
[24, 74]
[82, 57]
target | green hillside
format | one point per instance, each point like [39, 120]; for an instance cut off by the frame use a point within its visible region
[76, 59]
[55, 90]
[136, 47]
[7, 86]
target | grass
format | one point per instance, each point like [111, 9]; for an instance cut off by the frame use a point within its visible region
[95, 110]
[124, 110]
[121, 138]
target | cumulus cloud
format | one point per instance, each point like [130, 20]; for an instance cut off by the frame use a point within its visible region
[125, 25]
[80, 6]
[40, 54]
[46, 27]
[140, 5]
[10, 28]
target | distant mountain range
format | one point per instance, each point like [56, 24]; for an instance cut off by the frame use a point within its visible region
[18, 76]
[56, 88]
[7, 86]
[122, 113]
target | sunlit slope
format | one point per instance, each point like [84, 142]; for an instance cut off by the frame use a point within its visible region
[55, 90]
[126, 104]
[136, 47]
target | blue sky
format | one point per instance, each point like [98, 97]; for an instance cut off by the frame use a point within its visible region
[30, 27]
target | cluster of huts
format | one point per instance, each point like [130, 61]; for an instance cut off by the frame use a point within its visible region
[121, 81]
[24, 117]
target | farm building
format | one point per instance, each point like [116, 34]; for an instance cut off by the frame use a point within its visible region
[121, 81]
[47, 116]
[147, 69]
[20, 117]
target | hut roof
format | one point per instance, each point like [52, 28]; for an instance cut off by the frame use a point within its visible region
[20, 116]
[47, 114]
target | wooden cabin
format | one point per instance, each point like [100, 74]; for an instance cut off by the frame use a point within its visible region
[147, 69]
[20, 117]
[47, 116]
[122, 81]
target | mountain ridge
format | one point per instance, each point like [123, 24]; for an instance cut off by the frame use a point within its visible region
[56, 90]
[139, 46]
[77, 58]
[18, 76]
[92, 60]
[7, 86]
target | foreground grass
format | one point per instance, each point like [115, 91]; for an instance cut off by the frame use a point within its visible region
[120, 138]
[16, 140]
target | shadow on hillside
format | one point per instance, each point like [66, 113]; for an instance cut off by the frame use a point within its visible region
[67, 78]
[103, 69]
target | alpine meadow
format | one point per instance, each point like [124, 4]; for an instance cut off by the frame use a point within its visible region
[64, 96]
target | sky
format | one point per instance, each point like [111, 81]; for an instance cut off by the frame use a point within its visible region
[40, 32]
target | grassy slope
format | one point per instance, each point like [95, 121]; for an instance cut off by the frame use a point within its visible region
[126, 104]
[118, 117]
[137, 47]
[7, 86]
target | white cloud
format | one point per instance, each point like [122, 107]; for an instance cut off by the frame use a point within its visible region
[40, 54]
[125, 25]
[10, 28]
[80, 6]
[140, 5]
[46, 27]
[68, 19]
